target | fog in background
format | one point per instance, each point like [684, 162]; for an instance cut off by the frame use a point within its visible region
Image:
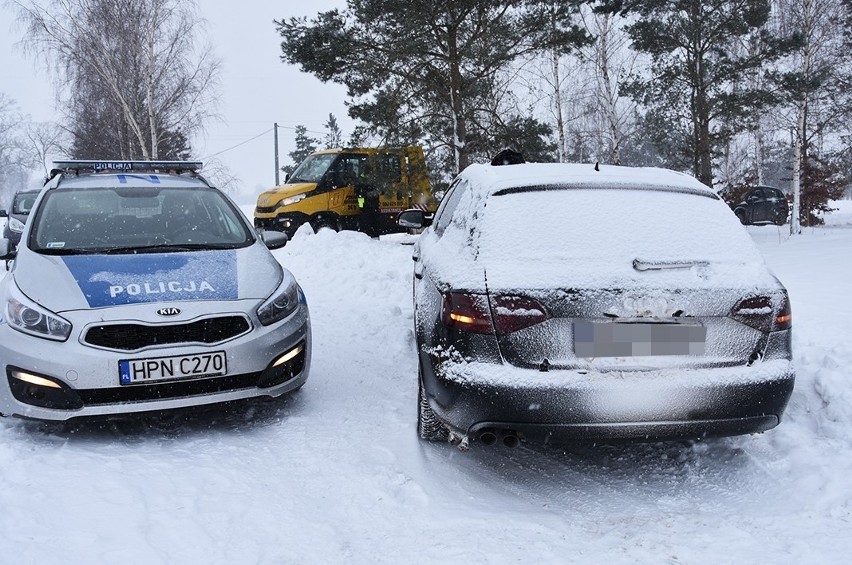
[256, 89]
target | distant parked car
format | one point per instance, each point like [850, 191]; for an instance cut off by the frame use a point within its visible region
[17, 215]
[763, 205]
[138, 286]
[538, 316]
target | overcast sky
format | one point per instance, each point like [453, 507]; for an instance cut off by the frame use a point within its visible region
[256, 88]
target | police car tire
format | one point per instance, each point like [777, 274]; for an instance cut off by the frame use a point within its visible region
[429, 428]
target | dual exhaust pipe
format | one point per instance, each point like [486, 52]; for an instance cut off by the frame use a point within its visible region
[490, 436]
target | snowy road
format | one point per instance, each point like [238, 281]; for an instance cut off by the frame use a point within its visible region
[335, 473]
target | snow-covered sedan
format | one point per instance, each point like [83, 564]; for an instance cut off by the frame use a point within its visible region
[137, 286]
[577, 301]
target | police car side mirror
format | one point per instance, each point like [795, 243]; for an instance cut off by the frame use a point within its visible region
[4, 214]
[274, 239]
[412, 219]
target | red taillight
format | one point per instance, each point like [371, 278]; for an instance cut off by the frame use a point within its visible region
[513, 313]
[784, 317]
[758, 312]
[467, 312]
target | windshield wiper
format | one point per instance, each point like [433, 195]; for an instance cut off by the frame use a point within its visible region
[163, 247]
[63, 251]
[641, 265]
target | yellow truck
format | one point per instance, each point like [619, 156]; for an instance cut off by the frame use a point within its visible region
[361, 189]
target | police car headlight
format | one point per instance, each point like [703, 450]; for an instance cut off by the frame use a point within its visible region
[28, 317]
[292, 200]
[281, 304]
[16, 225]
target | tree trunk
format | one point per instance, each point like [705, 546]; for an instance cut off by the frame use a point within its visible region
[795, 226]
[608, 98]
[150, 86]
[456, 106]
[557, 94]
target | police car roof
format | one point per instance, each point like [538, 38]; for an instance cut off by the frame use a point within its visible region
[130, 180]
[99, 174]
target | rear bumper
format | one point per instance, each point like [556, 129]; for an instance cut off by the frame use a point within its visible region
[648, 405]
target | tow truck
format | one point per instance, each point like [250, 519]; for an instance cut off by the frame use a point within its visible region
[362, 189]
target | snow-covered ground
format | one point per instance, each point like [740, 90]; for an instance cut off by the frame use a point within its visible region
[336, 474]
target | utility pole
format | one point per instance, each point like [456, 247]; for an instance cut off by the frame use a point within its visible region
[277, 169]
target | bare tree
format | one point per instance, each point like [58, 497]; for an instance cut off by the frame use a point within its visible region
[143, 57]
[816, 79]
[15, 161]
[44, 140]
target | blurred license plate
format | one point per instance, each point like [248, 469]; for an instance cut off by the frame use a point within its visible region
[619, 339]
[136, 371]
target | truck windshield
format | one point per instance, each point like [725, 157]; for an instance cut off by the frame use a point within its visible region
[24, 202]
[313, 168]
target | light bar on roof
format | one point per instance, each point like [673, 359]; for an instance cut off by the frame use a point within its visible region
[127, 166]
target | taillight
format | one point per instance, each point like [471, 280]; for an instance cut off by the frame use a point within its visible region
[513, 313]
[757, 312]
[467, 312]
[784, 317]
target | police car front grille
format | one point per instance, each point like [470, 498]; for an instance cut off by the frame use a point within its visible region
[130, 337]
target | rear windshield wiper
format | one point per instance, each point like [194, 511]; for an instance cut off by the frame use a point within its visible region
[641, 265]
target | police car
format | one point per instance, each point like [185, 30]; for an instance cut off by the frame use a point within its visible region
[138, 286]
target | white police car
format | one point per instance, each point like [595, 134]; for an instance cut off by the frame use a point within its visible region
[137, 286]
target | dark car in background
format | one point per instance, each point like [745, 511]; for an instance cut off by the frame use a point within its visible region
[763, 205]
[538, 317]
[17, 215]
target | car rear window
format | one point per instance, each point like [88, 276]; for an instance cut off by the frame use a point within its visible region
[606, 230]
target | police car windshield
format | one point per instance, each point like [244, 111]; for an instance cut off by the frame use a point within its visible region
[136, 220]
[313, 168]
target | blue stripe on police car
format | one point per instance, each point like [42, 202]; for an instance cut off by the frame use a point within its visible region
[111, 280]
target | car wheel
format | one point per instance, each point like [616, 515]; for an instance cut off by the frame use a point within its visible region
[741, 216]
[780, 221]
[429, 427]
[325, 224]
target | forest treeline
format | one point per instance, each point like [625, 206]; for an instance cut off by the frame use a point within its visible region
[737, 93]
[733, 92]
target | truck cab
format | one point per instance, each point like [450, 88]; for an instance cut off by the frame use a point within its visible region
[361, 189]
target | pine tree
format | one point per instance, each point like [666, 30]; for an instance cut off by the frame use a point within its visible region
[305, 145]
[822, 181]
[696, 61]
[425, 70]
[333, 136]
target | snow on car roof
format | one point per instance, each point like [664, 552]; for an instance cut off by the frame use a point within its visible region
[493, 178]
[531, 242]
